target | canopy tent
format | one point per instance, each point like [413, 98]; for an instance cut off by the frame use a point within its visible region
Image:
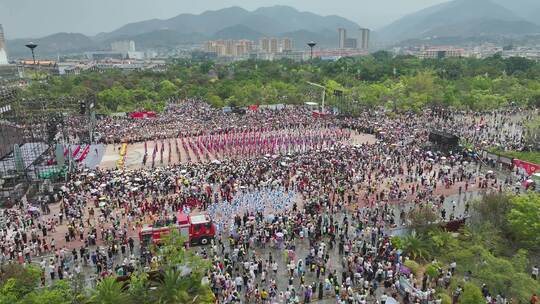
[528, 167]
[142, 114]
[319, 114]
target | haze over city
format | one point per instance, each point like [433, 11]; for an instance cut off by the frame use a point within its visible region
[30, 18]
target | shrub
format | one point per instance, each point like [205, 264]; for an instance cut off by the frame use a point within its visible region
[412, 265]
[396, 242]
[432, 271]
[446, 299]
[472, 295]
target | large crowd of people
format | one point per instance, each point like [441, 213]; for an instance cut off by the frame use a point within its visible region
[301, 212]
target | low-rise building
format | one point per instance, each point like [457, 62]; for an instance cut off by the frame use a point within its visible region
[441, 52]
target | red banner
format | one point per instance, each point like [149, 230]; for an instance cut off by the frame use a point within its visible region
[530, 168]
[142, 114]
[317, 114]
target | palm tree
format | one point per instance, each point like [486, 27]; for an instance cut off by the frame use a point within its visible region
[109, 291]
[415, 246]
[175, 288]
[170, 289]
[139, 288]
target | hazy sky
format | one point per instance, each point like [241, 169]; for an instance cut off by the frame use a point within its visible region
[36, 18]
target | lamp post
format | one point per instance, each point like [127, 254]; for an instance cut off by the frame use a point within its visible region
[311, 45]
[323, 93]
[32, 46]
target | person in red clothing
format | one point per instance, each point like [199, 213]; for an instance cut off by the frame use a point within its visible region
[534, 299]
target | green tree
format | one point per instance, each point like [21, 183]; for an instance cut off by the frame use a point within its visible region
[471, 295]
[167, 89]
[491, 208]
[109, 291]
[19, 280]
[59, 293]
[139, 287]
[172, 288]
[415, 246]
[524, 219]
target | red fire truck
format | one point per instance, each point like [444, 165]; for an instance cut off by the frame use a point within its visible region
[197, 229]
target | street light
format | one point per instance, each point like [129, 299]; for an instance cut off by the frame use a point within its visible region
[311, 45]
[32, 46]
[323, 94]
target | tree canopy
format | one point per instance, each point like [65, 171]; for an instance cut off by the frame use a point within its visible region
[403, 82]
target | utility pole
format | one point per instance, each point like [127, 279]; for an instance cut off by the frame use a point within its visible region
[92, 118]
[323, 94]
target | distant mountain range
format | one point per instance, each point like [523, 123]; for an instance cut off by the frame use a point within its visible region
[457, 20]
[228, 23]
[465, 19]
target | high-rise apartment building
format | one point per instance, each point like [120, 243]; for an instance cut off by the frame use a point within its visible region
[274, 45]
[342, 34]
[364, 38]
[264, 44]
[350, 43]
[3, 51]
[124, 46]
[286, 45]
[229, 48]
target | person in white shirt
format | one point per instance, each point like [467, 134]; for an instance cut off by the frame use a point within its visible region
[383, 298]
[534, 272]
[239, 282]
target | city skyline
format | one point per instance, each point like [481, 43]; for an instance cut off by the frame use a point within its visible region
[27, 19]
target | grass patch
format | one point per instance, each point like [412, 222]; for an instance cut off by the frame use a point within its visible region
[528, 156]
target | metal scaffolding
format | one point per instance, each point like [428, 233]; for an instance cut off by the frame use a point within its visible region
[35, 138]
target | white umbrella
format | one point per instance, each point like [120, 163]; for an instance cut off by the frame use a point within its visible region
[390, 300]
[443, 158]
[32, 209]
[217, 162]
[91, 174]
[490, 172]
